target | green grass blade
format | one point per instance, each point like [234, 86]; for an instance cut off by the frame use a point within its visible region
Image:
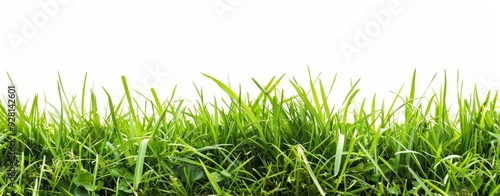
[211, 179]
[245, 107]
[300, 150]
[338, 154]
[139, 165]
[131, 108]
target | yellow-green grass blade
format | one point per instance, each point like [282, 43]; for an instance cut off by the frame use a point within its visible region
[338, 154]
[211, 179]
[139, 165]
[245, 107]
[300, 150]
[137, 127]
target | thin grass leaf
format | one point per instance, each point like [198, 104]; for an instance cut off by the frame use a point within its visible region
[135, 119]
[139, 165]
[300, 150]
[245, 107]
[338, 154]
[420, 182]
[211, 179]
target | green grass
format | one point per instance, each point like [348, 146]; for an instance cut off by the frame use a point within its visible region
[264, 144]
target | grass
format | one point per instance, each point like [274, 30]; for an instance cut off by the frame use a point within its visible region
[270, 144]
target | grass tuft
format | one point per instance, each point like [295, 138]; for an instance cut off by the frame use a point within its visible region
[264, 144]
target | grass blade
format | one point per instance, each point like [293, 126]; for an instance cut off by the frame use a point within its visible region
[140, 163]
[300, 150]
[338, 154]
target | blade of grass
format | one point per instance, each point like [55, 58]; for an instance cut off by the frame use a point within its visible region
[139, 165]
[420, 182]
[131, 108]
[300, 150]
[211, 179]
[245, 107]
[338, 154]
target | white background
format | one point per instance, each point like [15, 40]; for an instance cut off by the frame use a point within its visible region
[166, 43]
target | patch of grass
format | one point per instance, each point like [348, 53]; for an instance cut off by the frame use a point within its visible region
[270, 144]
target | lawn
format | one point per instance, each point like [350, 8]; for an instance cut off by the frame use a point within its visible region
[262, 144]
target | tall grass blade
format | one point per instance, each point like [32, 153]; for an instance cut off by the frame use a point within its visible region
[139, 165]
[338, 154]
[300, 150]
[233, 96]
[135, 119]
[420, 182]
[211, 179]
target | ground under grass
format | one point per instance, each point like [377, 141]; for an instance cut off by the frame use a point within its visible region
[269, 144]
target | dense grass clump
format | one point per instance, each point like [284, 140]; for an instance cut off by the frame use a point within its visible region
[270, 144]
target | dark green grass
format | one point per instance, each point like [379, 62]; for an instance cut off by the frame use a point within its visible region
[269, 144]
